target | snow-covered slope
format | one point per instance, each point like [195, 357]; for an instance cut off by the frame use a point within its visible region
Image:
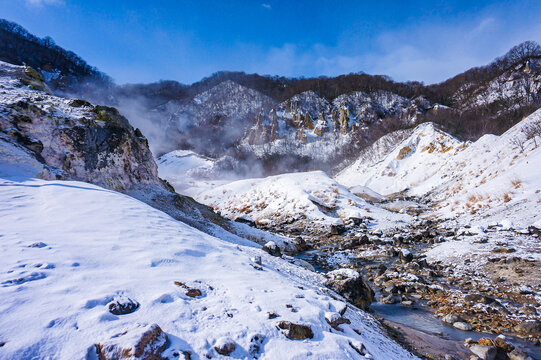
[70, 249]
[404, 165]
[188, 172]
[497, 178]
[310, 197]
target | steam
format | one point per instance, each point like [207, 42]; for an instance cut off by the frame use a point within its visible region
[154, 126]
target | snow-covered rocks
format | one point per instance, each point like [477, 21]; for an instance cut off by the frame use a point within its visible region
[350, 284]
[141, 343]
[311, 199]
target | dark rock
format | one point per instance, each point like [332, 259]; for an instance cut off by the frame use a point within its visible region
[351, 286]
[193, 293]
[224, 346]
[37, 245]
[478, 299]
[500, 343]
[256, 342]
[301, 244]
[335, 319]
[272, 315]
[349, 243]
[150, 344]
[122, 305]
[405, 256]
[295, 331]
[337, 229]
[272, 249]
[244, 219]
[79, 103]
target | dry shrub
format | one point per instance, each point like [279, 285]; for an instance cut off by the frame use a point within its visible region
[516, 183]
[506, 197]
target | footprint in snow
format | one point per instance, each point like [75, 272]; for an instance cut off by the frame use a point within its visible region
[21, 280]
[38, 245]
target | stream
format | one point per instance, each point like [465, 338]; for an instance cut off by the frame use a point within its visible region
[418, 329]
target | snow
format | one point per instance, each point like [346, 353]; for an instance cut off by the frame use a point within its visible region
[183, 170]
[411, 162]
[309, 196]
[100, 244]
[487, 182]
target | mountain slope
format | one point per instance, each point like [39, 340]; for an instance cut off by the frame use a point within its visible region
[491, 180]
[409, 163]
[71, 249]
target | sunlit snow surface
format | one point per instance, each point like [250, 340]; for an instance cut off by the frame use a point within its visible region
[98, 243]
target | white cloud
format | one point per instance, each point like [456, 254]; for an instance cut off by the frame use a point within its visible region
[41, 3]
[267, 6]
[423, 52]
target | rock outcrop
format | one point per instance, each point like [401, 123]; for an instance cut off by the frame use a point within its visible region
[350, 284]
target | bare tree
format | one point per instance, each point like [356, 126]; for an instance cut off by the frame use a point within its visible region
[519, 143]
[532, 131]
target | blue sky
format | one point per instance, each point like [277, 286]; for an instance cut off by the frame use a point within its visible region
[144, 41]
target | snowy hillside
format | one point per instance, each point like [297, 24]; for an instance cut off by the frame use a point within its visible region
[496, 176]
[409, 163]
[188, 172]
[84, 265]
[310, 198]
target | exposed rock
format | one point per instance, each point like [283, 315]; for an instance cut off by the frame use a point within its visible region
[478, 299]
[335, 319]
[148, 344]
[529, 327]
[122, 305]
[484, 352]
[337, 229]
[224, 346]
[37, 245]
[257, 260]
[79, 103]
[500, 343]
[191, 292]
[33, 79]
[462, 326]
[389, 299]
[255, 344]
[271, 248]
[518, 355]
[405, 256]
[295, 331]
[351, 286]
[451, 319]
